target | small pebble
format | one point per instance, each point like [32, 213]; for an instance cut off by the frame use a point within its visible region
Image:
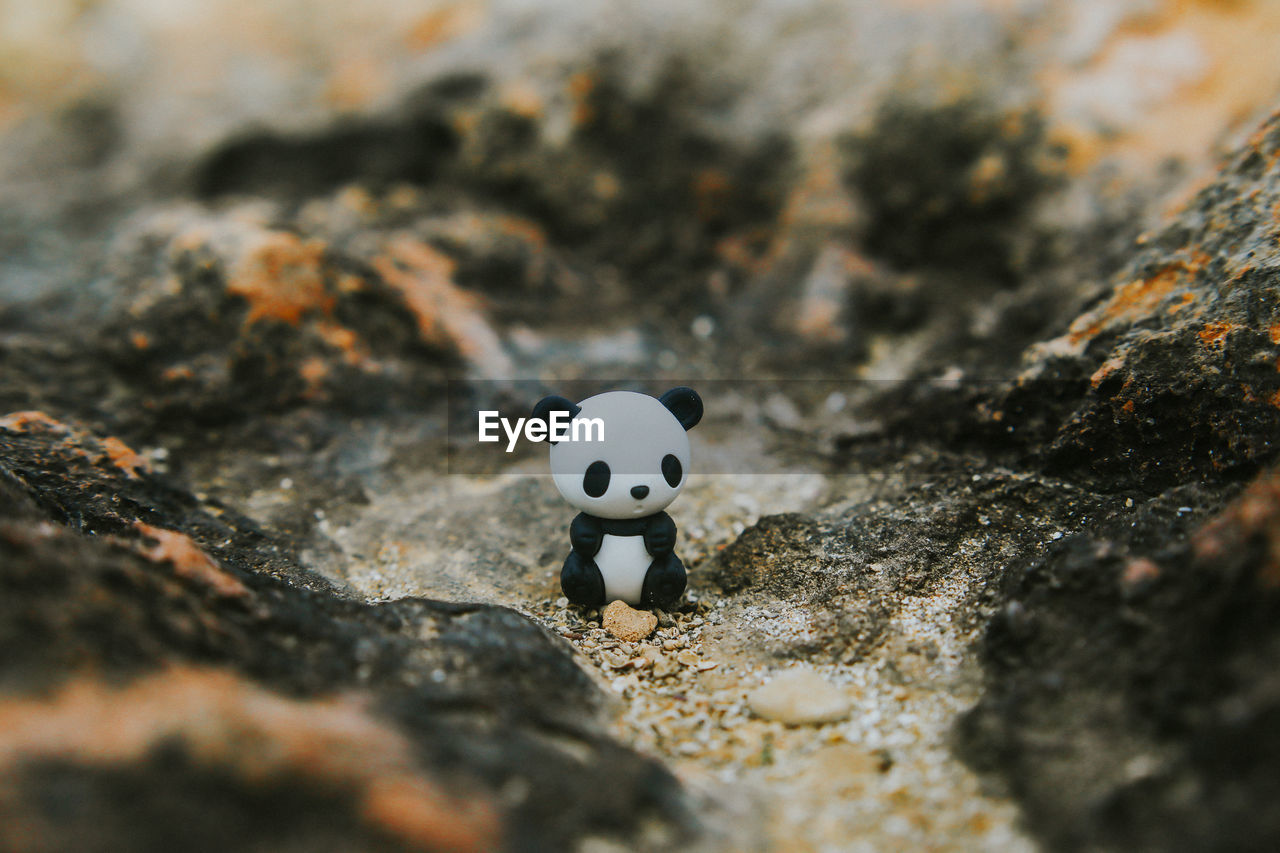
[628, 624]
[665, 668]
[798, 697]
[614, 660]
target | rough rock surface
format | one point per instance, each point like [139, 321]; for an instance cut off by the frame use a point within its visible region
[437, 726]
[982, 299]
[1128, 702]
[1175, 373]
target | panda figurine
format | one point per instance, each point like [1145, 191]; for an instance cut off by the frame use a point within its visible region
[622, 540]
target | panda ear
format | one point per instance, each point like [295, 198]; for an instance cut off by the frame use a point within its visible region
[544, 408]
[685, 404]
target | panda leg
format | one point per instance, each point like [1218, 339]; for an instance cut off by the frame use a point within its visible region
[581, 580]
[664, 582]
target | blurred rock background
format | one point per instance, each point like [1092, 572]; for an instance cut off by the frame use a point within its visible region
[982, 297]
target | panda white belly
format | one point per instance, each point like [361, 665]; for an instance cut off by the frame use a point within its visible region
[623, 562]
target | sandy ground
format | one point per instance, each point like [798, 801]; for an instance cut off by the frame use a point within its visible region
[885, 778]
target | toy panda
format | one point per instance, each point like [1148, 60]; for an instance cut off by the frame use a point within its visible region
[622, 540]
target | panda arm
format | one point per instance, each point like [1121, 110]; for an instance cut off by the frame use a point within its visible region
[585, 534]
[660, 534]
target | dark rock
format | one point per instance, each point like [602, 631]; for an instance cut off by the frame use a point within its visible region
[360, 267]
[148, 583]
[1172, 376]
[378, 153]
[1131, 691]
[932, 520]
[101, 487]
[951, 186]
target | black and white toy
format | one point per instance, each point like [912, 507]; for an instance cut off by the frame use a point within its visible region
[623, 542]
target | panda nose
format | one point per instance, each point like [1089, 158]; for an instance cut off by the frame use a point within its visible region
[639, 492]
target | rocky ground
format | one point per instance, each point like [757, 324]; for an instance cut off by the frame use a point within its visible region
[984, 524]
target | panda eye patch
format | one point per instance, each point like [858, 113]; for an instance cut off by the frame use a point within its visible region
[672, 471]
[595, 482]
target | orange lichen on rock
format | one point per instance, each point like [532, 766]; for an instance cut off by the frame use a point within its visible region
[1134, 300]
[523, 99]
[424, 277]
[189, 561]
[749, 251]
[581, 86]
[230, 725]
[1253, 519]
[32, 420]
[1165, 82]
[986, 177]
[446, 315]
[1183, 301]
[281, 277]
[1107, 368]
[347, 342]
[1274, 332]
[80, 442]
[1213, 334]
[314, 371]
[355, 81]
[820, 199]
[1138, 572]
[525, 230]
[124, 457]
[445, 23]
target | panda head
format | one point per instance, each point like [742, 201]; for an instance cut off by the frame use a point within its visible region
[642, 462]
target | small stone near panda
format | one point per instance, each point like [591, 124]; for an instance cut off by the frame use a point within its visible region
[665, 667]
[628, 624]
[799, 697]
